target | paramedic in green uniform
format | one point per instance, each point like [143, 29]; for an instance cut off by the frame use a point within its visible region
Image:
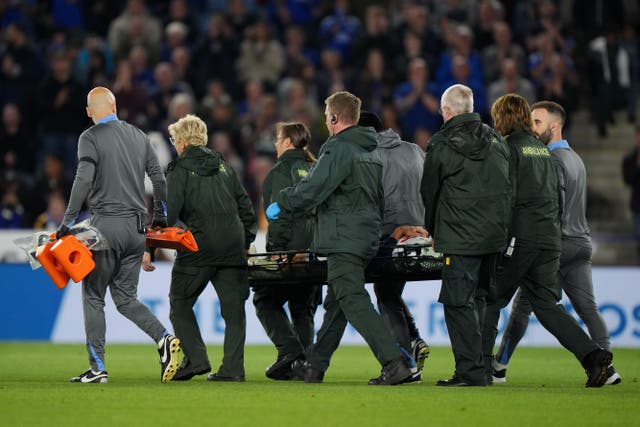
[532, 259]
[345, 189]
[205, 194]
[575, 260]
[466, 193]
[288, 233]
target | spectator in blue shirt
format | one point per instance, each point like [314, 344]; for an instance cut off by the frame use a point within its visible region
[461, 44]
[417, 100]
[339, 30]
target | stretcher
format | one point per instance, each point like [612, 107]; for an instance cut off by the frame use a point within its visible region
[406, 263]
[171, 238]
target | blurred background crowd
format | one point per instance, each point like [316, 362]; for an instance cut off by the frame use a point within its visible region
[244, 65]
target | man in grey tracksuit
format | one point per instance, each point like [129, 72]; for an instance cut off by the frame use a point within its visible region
[113, 158]
[402, 167]
[575, 259]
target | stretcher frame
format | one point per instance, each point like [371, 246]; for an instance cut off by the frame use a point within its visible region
[408, 263]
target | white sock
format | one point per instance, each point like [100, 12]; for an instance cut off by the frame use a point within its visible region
[498, 366]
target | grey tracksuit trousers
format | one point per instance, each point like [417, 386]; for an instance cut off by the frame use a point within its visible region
[118, 269]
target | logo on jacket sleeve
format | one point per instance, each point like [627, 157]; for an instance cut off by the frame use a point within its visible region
[535, 151]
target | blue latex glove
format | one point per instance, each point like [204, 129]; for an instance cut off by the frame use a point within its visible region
[273, 211]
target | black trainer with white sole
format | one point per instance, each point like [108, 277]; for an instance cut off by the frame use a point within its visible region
[91, 377]
[168, 348]
[613, 377]
[415, 378]
[499, 376]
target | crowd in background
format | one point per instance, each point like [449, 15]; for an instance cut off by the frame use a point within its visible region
[244, 65]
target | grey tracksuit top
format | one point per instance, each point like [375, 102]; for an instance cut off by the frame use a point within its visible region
[113, 158]
[402, 165]
[572, 179]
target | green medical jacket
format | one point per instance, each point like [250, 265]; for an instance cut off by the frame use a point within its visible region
[290, 231]
[204, 192]
[536, 215]
[345, 189]
[466, 187]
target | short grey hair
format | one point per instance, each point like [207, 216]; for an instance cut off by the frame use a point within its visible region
[459, 98]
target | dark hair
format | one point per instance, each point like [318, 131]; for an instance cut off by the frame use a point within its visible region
[552, 107]
[54, 155]
[511, 112]
[369, 119]
[299, 134]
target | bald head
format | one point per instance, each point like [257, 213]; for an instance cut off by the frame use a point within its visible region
[100, 103]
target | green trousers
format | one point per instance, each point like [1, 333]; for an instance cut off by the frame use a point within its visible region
[348, 300]
[535, 271]
[232, 286]
[466, 281]
[289, 337]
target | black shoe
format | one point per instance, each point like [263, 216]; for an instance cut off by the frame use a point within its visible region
[281, 368]
[416, 378]
[91, 377]
[298, 369]
[595, 365]
[303, 370]
[185, 372]
[168, 348]
[453, 382]
[221, 378]
[613, 377]
[398, 371]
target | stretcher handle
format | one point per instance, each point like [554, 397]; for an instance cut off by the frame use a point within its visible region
[183, 229]
[291, 252]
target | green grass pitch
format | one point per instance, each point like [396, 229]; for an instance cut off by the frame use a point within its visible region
[545, 388]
